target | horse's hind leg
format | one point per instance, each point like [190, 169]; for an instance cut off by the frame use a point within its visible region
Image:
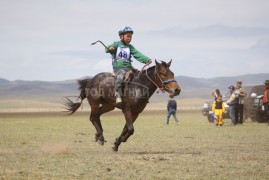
[118, 139]
[98, 127]
[95, 119]
[127, 131]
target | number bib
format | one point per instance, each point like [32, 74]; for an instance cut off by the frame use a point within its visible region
[123, 53]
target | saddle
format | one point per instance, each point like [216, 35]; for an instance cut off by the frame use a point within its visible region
[129, 75]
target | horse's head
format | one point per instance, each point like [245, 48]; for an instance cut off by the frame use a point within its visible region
[165, 78]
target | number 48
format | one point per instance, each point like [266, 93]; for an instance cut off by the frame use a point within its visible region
[123, 54]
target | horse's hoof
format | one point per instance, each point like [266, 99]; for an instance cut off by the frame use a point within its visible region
[101, 142]
[115, 149]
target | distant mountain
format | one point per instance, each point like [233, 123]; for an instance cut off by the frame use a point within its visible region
[202, 87]
[53, 91]
[3, 81]
[36, 90]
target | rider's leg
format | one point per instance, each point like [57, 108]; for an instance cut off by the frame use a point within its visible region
[118, 85]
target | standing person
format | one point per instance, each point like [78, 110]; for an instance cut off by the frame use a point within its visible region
[122, 51]
[265, 99]
[239, 91]
[218, 108]
[215, 94]
[233, 103]
[171, 109]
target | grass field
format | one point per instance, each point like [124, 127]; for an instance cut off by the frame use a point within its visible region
[31, 105]
[54, 146]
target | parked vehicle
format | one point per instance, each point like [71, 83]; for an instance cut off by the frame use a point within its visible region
[253, 105]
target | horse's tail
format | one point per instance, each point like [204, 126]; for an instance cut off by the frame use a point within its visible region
[82, 86]
[72, 107]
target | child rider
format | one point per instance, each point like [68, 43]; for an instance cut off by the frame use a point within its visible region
[122, 51]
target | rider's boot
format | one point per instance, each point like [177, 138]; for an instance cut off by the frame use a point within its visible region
[118, 98]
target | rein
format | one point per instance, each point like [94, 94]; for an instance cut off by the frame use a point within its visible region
[152, 80]
[163, 82]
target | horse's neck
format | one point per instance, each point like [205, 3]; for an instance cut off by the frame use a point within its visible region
[148, 80]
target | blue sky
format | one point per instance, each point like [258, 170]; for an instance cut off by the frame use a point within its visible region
[50, 40]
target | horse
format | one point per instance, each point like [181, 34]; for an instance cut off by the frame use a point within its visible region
[100, 93]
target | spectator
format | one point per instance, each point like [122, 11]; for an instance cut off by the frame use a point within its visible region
[218, 108]
[216, 93]
[233, 103]
[171, 109]
[265, 99]
[239, 91]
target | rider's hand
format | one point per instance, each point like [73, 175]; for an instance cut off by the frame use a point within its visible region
[149, 61]
[111, 49]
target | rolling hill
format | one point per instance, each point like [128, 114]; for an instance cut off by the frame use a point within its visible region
[42, 93]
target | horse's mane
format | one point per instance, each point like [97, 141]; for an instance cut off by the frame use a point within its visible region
[164, 64]
[145, 70]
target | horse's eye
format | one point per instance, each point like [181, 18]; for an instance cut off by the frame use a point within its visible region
[164, 74]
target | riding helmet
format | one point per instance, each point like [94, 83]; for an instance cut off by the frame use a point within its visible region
[125, 30]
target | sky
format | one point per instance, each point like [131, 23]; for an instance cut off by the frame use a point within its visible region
[50, 40]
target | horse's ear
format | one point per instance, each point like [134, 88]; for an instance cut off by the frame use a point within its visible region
[169, 63]
[156, 62]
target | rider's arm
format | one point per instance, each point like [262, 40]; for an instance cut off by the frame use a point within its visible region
[138, 55]
[112, 48]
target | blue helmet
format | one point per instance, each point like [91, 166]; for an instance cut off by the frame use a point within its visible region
[125, 30]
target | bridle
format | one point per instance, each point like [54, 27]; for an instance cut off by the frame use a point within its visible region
[163, 82]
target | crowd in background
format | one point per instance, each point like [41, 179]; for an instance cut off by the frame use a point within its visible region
[236, 104]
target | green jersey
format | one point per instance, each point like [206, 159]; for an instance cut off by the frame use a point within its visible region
[122, 56]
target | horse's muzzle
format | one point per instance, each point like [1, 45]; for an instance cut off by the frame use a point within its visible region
[177, 91]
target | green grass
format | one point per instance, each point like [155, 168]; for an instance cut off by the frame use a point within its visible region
[54, 146]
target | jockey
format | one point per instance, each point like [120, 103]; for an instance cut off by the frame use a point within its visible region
[122, 51]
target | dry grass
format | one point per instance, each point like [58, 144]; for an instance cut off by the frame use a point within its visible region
[53, 146]
[26, 105]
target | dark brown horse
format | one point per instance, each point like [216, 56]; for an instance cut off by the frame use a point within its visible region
[100, 92]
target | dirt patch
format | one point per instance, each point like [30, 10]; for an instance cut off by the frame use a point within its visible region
[56, 149]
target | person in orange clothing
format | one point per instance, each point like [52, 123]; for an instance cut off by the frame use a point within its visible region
[218, 108]
[265, 99]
